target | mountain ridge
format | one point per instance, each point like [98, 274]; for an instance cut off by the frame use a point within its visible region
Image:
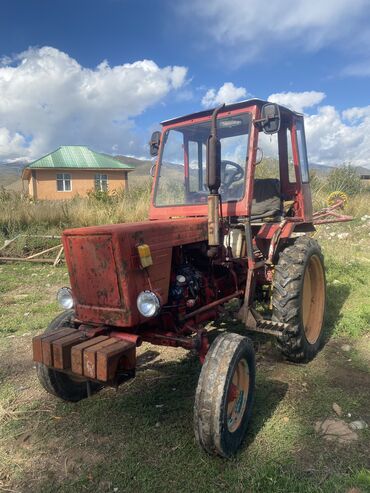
[10, 173]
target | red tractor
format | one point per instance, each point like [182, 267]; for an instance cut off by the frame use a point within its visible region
[216, 232]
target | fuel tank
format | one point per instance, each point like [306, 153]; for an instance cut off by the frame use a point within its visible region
[105, 271]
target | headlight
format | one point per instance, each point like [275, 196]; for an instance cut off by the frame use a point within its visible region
[148, 304]
[65, 299]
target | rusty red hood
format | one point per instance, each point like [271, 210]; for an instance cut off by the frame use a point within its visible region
[104, 266]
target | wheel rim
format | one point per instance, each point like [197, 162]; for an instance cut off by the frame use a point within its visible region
[313, 299]
[237, 396]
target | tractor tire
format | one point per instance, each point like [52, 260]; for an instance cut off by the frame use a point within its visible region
[298, 299]
[224, 396]
[60, 384]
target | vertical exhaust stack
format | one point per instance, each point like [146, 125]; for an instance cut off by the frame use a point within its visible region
[213, 183]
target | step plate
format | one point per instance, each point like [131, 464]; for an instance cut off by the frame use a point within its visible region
[270, 327]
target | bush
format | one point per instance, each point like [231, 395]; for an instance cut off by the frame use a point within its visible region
[345, 179]
[102, 196]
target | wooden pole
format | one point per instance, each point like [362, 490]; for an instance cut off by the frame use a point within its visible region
[57, 258]
[44, 251]
[19, 259]
[7, 242]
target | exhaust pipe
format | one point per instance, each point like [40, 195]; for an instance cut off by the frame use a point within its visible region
[213, 183]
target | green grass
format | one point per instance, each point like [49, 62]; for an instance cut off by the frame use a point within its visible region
[348, 297]
[27, 296]
[140, 437]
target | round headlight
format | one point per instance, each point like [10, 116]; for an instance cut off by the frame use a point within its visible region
[64, 298]
[148, 304]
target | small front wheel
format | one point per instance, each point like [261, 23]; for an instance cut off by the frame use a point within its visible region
[224, 395]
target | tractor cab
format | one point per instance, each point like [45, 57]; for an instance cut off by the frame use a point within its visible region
[263, 168]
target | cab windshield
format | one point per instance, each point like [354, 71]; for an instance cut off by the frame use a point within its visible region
[182, 165]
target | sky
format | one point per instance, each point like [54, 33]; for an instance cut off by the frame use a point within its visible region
[105, 73]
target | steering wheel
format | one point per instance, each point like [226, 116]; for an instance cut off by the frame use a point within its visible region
[229, 176]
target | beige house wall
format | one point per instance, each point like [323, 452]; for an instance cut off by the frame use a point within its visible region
[43, 183]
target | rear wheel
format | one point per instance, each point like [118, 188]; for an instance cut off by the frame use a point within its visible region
[224, 396]
[60, 384]
[298, 298]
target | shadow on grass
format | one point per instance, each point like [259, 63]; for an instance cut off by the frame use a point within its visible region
[144, 359]
[269, 394]
[149, 421]
[336, 296]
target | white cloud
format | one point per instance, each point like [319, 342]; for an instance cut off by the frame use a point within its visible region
[359, 69]
[48, 99]
[331, 141]
[11, 145]
[249, 27]
[227, 93]
[333, 137]
[297, 101]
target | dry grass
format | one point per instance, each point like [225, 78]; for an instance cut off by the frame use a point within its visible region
[19, 213]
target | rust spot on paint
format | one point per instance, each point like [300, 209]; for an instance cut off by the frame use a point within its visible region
[123, 267]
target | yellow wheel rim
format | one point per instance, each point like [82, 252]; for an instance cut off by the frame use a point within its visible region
[334, 197]
[313, 299]
[237, 396]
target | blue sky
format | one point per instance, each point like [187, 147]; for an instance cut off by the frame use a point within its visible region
[73, 72]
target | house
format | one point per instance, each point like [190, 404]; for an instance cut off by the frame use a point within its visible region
[74, 170]
[365, 179]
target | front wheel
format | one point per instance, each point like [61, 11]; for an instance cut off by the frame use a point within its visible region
[224, 395]
[56, 382]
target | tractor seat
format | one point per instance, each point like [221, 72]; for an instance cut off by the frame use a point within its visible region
[266, 201]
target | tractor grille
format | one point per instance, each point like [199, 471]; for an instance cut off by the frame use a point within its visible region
[92, 271]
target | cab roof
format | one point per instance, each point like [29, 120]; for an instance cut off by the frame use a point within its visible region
[228, 107]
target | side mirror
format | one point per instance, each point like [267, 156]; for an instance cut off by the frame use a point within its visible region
[154, 143]
[270, 118]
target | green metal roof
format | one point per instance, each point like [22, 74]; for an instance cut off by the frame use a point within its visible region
[78, 157]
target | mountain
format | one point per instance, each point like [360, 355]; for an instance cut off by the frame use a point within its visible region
[142, 168]
[10, 174]
[322, 169]
[361, 170]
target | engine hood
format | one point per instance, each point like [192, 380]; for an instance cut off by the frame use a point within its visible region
[104, 266]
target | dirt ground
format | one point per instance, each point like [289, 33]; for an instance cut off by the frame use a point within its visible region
[139, 437]
[33, 457]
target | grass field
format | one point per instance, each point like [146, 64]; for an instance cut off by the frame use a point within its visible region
[139, 438]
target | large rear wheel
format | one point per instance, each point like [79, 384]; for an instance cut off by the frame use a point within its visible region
[224, 396]
[298, 298]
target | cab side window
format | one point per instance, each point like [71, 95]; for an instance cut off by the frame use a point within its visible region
[268, 156]
[291, 169]
[302, 151]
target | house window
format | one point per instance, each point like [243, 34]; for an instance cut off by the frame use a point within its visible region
[101, 183]
[64, 182]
